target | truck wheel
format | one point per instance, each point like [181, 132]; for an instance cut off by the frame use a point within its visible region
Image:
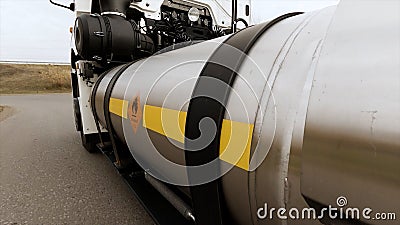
[89, 142]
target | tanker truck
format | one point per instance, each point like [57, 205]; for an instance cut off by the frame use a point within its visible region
[213, 119]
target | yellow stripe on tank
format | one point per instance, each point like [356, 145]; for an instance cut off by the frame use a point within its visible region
[235, 143]
[236, 137]
[168, 122]
[119, 107]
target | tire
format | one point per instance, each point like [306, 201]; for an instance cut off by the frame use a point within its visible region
[89, 142]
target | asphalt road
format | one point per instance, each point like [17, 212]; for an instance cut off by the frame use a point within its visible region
[46, 177]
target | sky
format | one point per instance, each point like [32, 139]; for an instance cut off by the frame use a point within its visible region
[34, 31]
[37, 31]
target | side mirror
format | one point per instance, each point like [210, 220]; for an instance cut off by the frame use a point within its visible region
[70, 7]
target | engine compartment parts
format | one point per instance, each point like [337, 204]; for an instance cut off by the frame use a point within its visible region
[110, 38]
[118, 34]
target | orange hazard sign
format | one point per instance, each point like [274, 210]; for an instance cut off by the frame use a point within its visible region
[135, 112]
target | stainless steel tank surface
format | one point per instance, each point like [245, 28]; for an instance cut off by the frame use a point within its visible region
[313, 114]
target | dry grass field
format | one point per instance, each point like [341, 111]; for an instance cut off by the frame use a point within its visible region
[30, 79]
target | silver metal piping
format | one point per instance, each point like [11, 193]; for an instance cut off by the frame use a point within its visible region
[171, 197]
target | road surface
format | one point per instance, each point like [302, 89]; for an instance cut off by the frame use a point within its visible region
[46, 177]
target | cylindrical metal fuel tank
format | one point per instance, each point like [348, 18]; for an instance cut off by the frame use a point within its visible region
[299, 112]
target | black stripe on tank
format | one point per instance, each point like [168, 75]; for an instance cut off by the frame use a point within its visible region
[222, 65]
[107, 114]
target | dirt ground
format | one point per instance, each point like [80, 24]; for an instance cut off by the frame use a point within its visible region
[5, 112]
[30, 79]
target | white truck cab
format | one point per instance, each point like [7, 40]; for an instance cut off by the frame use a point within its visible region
[104, 29]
